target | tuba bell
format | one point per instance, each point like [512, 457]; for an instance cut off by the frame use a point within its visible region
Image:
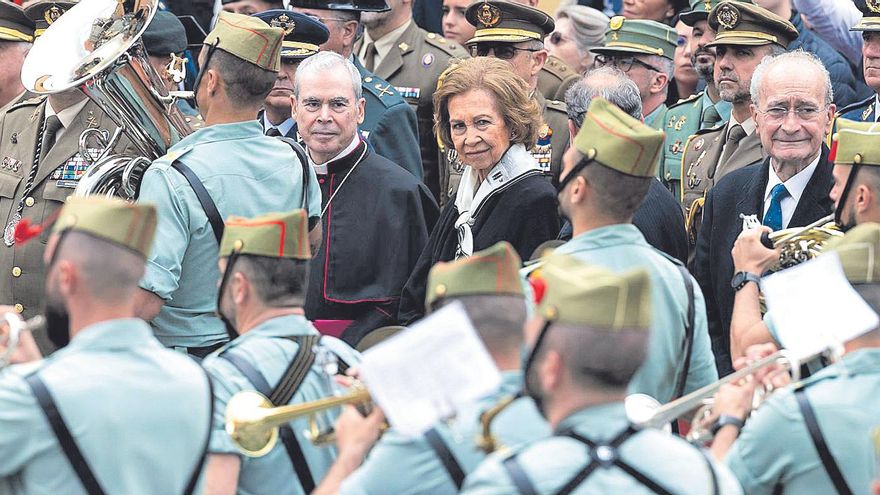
[96, 47]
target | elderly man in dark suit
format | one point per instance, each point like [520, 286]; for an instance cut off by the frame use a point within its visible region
[792, 107]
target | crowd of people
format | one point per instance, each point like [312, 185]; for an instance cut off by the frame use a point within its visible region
[599, 190]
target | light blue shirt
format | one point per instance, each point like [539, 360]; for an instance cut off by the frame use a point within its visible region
[246, 174]
[265, 348]
[407, 466]
[138, 412]
[551, 463]
[775, 449]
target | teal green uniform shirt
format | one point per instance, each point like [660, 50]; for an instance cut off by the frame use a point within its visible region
[406, 466]
[246, 174]
[775, 449]
[622, 247]
[551, 463]
[265, 348]
[655, 118]
[138, 412]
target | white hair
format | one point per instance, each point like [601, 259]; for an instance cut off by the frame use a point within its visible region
[797, 57]
[322, 62]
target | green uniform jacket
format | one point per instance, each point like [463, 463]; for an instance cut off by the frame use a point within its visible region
[657, 118]
[555, 78]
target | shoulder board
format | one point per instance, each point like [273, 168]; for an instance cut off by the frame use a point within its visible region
[381, 89]
[36, 100]
[559, 106]
[558, 68]
[450, 48]
[853, 106]
[689, 99]
[718, 127]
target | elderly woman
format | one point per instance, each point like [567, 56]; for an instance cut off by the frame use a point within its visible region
[578, 28]
[483, 111]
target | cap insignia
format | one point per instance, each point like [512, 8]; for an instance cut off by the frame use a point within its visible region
[708, 5]
[616, 22]
[284, 22]
[728, 16]
[52, 14]
[489, 15]
[873, 5]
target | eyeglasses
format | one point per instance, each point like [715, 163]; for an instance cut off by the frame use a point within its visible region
[502, 51]
[556, 38]
[625, 64]
[804, 113]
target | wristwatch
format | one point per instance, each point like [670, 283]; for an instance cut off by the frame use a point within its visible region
[727, 419]
[740, 279]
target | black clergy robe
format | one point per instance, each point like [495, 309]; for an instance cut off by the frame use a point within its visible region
[524, 214]
[376, 226]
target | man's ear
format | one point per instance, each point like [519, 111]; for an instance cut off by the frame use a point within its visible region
[241, 287]
[659, 82]
[539, 58]
[349, 32]
[361, 110]
[551, 368]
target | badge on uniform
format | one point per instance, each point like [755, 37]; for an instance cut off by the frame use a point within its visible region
[454, 161]
[543, 150]
[428, 59]
[867, 112]
[10, 164]
[70, 172]
[680, 123]
[750, 221]
[408, 92]
[676, 147]
[699, 144]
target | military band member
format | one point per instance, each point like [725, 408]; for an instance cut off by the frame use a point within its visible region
[390, 124]
[226, 168]
[264, 261]
[41, 165]
[701, 111]
[113, 411]
[165, 41]
[411, 59]
[813, 437]
[587, 339]
[867, 110]
[488, 286]
[16, 36]
[606, 177]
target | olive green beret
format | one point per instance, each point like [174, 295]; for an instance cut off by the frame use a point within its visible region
[618, 141]
[248, 39]
[494, 270]
[856, 143]
[44, 13]
[503, 21]
[700, 9]
[638, 37]
[130, 225]
[14, 24]
[858, 251]
[275, 235]
[740, 23]
[572, 292]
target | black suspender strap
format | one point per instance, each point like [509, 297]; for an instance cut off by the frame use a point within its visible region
[825, 456]
[296, 372]
[519, 477]
[200, 465]
[688, 333]
[445, 455]
[204, 198]
[65, 439]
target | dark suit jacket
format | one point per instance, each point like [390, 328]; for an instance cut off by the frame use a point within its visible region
[742, 192]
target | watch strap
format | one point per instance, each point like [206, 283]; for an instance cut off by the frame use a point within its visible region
[727, 419]
[740, 279]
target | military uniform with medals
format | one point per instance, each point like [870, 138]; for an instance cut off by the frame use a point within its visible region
[555, 78]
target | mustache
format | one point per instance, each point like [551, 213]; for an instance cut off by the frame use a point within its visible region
[728, 75]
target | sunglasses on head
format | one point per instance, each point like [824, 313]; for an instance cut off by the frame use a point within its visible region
[503, 51]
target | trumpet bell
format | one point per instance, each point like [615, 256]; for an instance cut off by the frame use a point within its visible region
[243, 423]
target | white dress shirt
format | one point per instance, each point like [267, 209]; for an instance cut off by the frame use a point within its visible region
[795, 186]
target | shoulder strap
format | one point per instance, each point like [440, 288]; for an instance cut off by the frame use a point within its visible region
[518, 476]
[65, 439]
[304, 162]
[825, 456]
[200, 465]
[204, 198]
[688, 332]
[445, 455]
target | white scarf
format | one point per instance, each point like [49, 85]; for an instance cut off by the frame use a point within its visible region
[515, 162]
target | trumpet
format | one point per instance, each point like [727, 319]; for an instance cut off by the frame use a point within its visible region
[10, 339]
[486, 440]
[801, 244]
[252, 422]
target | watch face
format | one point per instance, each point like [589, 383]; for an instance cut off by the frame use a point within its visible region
[738, 279]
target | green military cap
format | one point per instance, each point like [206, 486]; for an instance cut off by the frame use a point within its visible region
[14, 24]
[740, 23]
[248, 39]
[501, 21]
[44, 13]
[700, 9]
[858, 251]
[614, 139]
[638, 37]
[856, 143]
[275, 235]
[494, 270]
[572, 292]
[130, 225]
[870, 20]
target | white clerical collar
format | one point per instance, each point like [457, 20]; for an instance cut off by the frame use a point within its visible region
[283, 127]
[67, 115]
[321, 168]
[796, 184]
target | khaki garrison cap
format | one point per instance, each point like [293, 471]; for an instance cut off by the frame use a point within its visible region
[130, 225]
[856, 143]
[494, 270]
[14, 24]
[740, 23]
[569, 291]
[616, 140]
[508, 22]
[638, 37]
[858, 251]
[274, 235]
[248, 39]
[700, 9]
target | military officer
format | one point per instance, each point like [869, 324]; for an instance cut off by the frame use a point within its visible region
[607, 175]
[700, 111]
[645, 51]
[41, 165]
[114, 411]
[264, 261]
[555, 78]
[867, 110]
[488, 285]
[411, 59]
[813, 438]
[194, 191]
[16, 36]
[390, 124]
[580, 358]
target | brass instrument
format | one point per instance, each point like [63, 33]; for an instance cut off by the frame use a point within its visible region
[253, 423]
[801, 244]
[486, 440]
[96, 47]
[10, 338]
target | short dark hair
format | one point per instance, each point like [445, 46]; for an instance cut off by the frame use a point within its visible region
[110, 270]
[597, 356]
[246, 83]
[497, 318]
[619, 195]
[278, 282]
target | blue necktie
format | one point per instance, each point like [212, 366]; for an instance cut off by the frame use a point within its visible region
[773, 218]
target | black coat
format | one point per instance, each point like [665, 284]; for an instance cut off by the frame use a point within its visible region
[742, 192]
[523, 214]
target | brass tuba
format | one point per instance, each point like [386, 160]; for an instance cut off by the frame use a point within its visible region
[96, 47]
[801, 244]
[10, 336]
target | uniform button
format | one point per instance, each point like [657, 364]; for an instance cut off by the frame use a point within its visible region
[18, 308]
[320, 181]
[16, 271]
[368, 79]
[29, 201]
[668, 175]
[431, 36]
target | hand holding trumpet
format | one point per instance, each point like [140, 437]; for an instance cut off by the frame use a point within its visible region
[17, 345]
